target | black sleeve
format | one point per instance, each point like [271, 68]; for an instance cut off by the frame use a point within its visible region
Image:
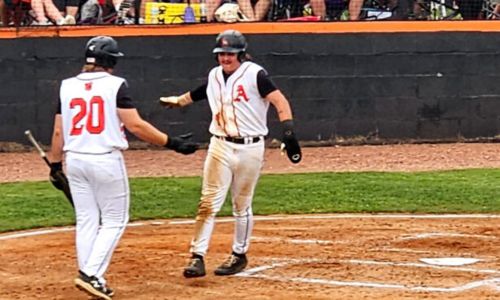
[265, 84]
[58, 111]
[123, 99]
[199, 93]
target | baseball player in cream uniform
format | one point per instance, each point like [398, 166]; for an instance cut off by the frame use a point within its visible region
[94, 108]
[239, 92]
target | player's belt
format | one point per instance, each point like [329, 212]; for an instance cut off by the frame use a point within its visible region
[240, 140]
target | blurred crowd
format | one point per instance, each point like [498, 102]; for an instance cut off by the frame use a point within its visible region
[84, 12]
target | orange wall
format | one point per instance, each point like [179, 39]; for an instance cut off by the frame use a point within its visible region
[263, 28]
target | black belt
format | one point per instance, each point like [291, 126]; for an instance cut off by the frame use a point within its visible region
[240, 140]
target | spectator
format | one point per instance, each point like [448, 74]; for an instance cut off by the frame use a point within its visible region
[3, 14]
[46, 13]
[67, 7]
[16, 12]
[356, 6]
[254, 10]
[496, 9]
[318, 8]
[470, 9]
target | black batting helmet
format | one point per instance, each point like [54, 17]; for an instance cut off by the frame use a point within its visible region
[102, 51]
[230, 41]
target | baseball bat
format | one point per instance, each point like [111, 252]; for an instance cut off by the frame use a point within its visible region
[65, 188]
[37, 146]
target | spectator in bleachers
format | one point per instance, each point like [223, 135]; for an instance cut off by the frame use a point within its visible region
[3, 16]
[356, 6]
[254, 10]
[46, 13]
[496, 9]
[470, 9]
[318, 8]
[329, 10]
[67, 7]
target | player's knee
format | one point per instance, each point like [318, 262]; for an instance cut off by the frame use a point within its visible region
[115, 224]
[242, 212]
[206, 208]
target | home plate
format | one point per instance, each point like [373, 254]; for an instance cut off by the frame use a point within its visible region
[449, 261]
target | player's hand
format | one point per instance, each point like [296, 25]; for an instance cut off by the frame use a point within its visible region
[290, 143]
[181, 144]
[171, 101]
[60, 181]
[57, 177]
[177, 101]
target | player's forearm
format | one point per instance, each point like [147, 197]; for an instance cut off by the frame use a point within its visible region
[282, 106]
[148, 133]
[284, 111]
[57, 143]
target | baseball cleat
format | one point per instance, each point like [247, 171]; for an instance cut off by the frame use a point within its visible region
[234, 264]
[195, 268]
[92, 286]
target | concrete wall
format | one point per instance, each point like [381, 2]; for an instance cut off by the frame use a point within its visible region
[423, 86]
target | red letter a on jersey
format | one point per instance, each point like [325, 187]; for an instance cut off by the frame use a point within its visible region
[241, 93]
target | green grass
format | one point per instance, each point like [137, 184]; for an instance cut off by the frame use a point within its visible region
[38, 204]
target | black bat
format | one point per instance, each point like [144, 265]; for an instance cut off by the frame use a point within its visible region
[65, 187]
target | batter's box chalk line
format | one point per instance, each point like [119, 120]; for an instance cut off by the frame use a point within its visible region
[258, 272]
[295, 241]
[444, 234]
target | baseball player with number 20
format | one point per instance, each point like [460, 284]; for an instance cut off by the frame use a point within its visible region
[94, 108]
[239, 92]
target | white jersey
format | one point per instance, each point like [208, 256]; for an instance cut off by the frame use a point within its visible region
[89, 113]
[238, 110]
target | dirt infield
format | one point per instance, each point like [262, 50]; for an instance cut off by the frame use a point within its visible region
[291, 257]
[299, 257]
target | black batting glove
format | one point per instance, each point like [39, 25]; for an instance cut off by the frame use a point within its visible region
[56, 176]
[290, 143]
[179, 144]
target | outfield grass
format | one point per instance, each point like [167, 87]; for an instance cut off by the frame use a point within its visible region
[38, 204]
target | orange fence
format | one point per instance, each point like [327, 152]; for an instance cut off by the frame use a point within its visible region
[253, 28]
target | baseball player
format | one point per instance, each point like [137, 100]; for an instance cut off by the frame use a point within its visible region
[239, 92]
[94, 108]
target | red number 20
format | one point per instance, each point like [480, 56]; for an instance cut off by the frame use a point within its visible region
[94, 114]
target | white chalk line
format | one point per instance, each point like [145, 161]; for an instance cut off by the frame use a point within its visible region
[288, 261]
[444, 234]
[267, 218]
[403, 250]
[493, 282]
[35, 233]
[419, 265]
[256, 273]
[295, 241]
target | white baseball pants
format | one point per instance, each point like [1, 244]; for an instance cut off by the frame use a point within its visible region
[100, 189]
[228, 166]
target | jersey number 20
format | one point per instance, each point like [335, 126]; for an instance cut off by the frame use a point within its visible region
[92, 110]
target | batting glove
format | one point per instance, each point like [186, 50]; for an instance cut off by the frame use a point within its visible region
[176, 101]
[179, 144]
[290, 143]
